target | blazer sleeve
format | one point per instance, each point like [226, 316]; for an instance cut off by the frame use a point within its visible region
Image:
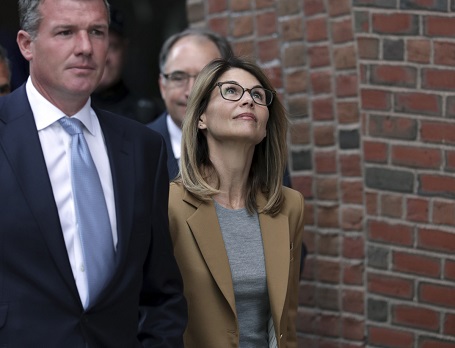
[163, 309]
[296, 236]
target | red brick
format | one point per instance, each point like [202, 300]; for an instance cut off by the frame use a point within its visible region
[321, 82]
[374, 151]
[322, 109]
[348, 112]
[316, 29]
[438, 79]
[342, 31]
[353, 301]
[242, 26]
[450, 160]
[324, 135]
[328, 325]
[328, 271]
[339, 7]
[394, 75]
[392, 127]
[319, 56]
[353, 329]
[395, 23]
[243, 48]
[437, 294]
[449, 324]
[328, 217]
[292, 29]
[353, 273]
[390, 286]
[416, 317]
[307, 294]
[296, 81]
[444, 53]
[387, 337]
[437, 185]
[219, 25]
[449, 270]
[418, 103]
[437, 240]
[312, 7]
[216, 6]
[375, 99]
[345, 57]
[368, 47]
[352, 192]
[300, 133]
[268, 50]
[350, 165]
[416, 157]
[354, 247]
[329, 244]
[327, 188]
[417, 210]
[398, 234]
[439, 26]
[372, 203]
[427, 342]
[240, 5]
[444, 213]
[416, 264]
[347, 85]
[418, 50]
[326, 162]
[266, 23]
[392, 206]
[438, 132]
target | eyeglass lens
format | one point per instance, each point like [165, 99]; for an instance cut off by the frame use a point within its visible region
[234, 92]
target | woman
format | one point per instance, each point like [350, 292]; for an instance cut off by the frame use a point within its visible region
[237, 232]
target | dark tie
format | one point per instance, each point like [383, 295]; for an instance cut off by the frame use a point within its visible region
[91, 212]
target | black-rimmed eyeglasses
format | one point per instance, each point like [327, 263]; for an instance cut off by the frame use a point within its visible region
[232, 91]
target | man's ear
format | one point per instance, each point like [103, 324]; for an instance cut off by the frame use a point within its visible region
[24, 41]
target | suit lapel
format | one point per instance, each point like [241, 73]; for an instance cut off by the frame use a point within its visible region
[207, 233]
[275, 238]
[122, 169]
[20, 142]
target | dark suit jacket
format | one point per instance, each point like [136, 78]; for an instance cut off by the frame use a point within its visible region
[160, 126]
[39, 301]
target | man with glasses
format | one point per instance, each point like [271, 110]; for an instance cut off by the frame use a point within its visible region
[182, 57]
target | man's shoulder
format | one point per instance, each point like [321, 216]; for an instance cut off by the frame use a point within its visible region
[159, 124]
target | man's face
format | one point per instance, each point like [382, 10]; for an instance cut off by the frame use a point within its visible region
[67, 56]
[114, 61]
[5, 87]
[189, 55]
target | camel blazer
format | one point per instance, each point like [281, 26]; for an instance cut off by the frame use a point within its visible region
[203, 261]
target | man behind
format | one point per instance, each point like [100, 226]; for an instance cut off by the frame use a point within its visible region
[5, 73]
[79, 255]
[182, 57]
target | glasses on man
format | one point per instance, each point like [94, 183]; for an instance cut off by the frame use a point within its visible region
[178, 78]
[233, 91]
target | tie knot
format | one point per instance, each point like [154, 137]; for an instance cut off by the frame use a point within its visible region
[71, 125]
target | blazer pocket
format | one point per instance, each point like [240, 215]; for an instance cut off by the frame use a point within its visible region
[3, 314]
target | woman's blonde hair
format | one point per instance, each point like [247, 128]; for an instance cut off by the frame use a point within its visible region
[270, 155]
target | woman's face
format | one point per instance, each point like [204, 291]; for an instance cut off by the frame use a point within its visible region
[242, 121]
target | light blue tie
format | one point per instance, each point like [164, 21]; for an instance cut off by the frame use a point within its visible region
[91, 212]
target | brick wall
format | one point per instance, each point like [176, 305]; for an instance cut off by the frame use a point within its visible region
[370, 89]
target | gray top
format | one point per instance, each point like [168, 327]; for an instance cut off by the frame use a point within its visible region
[243, 241]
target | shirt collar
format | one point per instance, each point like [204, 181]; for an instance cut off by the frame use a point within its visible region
[45, 113]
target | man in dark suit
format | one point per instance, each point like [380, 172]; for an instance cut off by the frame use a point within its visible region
[49, 296]
[182, 57]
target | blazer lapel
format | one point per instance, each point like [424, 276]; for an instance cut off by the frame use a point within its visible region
[207, 233]
[20, 142]
[275, 238]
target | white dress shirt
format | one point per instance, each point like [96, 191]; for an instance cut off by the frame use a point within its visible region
[56, 146]
[175, 133]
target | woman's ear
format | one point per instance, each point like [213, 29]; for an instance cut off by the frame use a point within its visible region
[201, 123]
